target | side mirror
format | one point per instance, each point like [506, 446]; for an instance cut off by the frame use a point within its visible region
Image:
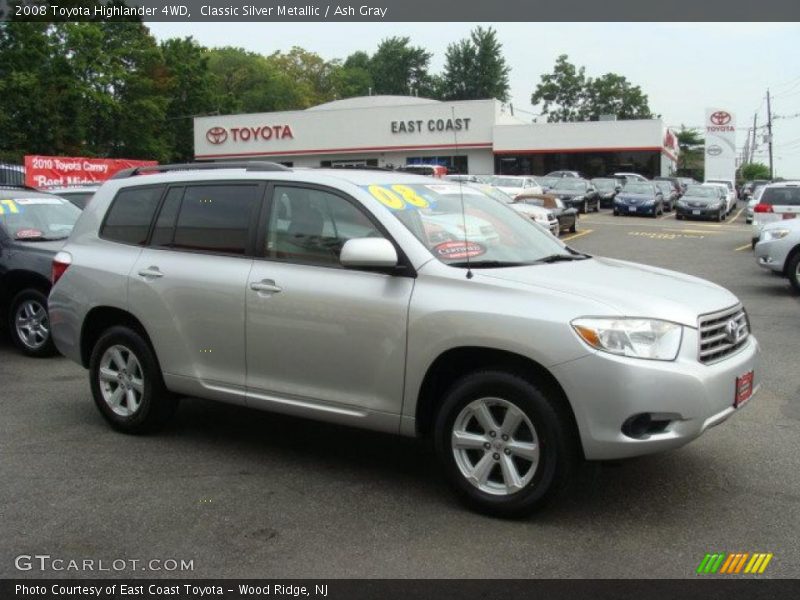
[368, 252]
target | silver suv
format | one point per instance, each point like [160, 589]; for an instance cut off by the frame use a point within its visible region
[354, 297]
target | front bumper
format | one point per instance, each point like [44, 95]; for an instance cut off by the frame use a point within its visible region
[606, 390]
[697, 212]
[635, 209]
[772, 254]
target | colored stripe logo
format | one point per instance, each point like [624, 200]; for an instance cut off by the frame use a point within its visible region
[734, 563]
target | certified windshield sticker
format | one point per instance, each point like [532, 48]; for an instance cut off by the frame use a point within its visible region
[8, 206]
[398, 197]
[455, 250]
[27, 234]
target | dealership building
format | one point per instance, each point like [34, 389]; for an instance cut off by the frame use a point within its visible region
[475, 136]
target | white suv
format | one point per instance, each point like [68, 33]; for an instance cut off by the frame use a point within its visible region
[778, 201]
[338, 295]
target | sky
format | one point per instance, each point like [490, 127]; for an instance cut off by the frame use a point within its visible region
[682, 67]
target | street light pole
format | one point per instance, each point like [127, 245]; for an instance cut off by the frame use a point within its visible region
[769, 134]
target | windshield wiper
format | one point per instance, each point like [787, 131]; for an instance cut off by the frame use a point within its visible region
[561, 257]
[488, 264]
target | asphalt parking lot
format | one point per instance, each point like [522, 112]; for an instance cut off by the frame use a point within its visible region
[249, 494]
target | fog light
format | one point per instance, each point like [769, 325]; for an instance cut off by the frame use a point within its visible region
[646, 424]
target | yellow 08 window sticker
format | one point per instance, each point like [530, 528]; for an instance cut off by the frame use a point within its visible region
[9, 205]
[397, 197]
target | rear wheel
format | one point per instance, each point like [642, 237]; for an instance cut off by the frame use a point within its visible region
[504, 445]
[126, 383]
[574, 227]
[678, 217]
[29, 323]
[585, 207]
[793, 271]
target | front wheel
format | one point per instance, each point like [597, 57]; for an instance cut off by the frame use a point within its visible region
[574, 227]
[585, 207]
[793, 271]
[29, 324]
[126, 383]
[505, 446]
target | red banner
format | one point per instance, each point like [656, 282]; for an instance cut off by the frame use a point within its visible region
[56, 171]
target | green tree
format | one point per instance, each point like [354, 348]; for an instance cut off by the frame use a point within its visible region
[475, 68]
[310, 74]
[402, 69]
[752, 171]
[562, 92]
[691, 159]
[613, 94]
[352, 77]
[567, 94]
[189, 93]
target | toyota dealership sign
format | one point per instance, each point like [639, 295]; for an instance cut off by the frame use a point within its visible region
[720, 149]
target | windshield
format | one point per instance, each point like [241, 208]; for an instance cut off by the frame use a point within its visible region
[700, 191]
[634, 187]
[664, 186]
[727, 184]
[507, 182]
[605, 185]
[38, 218]
[79, 199]
[570, 185]
[781, 196]
[487, 233]
[548, 181]
[495, 193]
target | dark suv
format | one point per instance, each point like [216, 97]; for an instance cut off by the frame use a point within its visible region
[33, 228]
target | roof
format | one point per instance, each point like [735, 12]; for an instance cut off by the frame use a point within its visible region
[372, 102]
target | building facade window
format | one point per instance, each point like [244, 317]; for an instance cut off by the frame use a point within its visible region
[592, 164]
[454, 164]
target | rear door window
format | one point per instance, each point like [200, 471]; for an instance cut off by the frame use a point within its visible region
[217, 218]
[128, 220]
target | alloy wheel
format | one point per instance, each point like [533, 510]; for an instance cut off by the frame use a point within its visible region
[121, 380]
[495, 446]
[32, 324]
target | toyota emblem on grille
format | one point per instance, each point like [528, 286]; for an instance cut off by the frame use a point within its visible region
[732, 331]
[216, 135]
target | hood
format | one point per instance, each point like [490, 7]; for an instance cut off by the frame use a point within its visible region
[700, 200]
[620, 288]
[635, 198]
[532, 210]
[44, 247]
[567, 193]
[511, 191]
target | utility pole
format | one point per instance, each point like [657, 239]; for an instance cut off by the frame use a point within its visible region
[755, 133]
[769, 133]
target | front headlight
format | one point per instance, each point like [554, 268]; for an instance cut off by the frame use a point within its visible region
[682, 203]
[577, 198]
[768, 235]
[636, 338]
[715, 205]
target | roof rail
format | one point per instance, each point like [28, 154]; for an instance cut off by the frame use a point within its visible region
[252, 165]
[358, 168]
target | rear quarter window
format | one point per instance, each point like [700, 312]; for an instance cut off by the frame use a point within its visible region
[128, 220]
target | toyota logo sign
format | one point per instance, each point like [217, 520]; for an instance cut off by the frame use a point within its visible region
[714, 150]
[217, 135]
[720, 117]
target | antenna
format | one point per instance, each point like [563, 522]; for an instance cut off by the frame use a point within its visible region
[461, 196]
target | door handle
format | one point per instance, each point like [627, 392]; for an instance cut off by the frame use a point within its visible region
[265, 285]
[151, 271]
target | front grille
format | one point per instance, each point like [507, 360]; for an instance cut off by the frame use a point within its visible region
[722, 333]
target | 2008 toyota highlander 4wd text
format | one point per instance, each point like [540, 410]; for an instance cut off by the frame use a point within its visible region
[338, 295]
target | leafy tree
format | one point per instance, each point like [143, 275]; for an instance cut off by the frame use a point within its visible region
[189, 91]
[352, 77]
[690, 160]
[613, 94]
[402, 69]
[475, 68]
[310, 74]
[567, 94]
[752, 171]
[562, 93]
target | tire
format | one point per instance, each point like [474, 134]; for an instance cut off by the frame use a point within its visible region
[793, 271]
[574, 227]
[29, 324]
[543, 433]
[678, 217]
[616, 212]
[720, 217]
[585, 208]
[597, 206]
[112, 353]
